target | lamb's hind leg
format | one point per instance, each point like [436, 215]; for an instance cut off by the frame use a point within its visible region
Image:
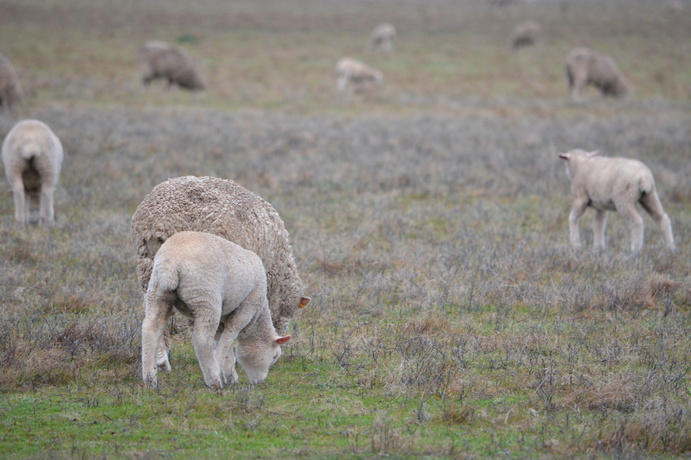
[158, 312]
[651, 203]
[21, 214]
[203, 338]
[628, 211]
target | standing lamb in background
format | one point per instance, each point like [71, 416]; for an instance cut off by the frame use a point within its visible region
[613, 184]
[10, 90]
[161, 60]
[32, 155]
[220, 286]
[383, 37]
[525, 34]
[226, 209]
[355, 74]
[587, 67]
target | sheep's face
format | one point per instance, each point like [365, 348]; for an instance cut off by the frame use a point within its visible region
[575, 156]
[257, 356]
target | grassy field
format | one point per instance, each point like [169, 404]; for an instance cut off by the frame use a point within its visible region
[449, 316]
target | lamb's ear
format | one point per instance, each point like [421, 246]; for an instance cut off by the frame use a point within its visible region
[281, 340]
[304, 301]
[592, 154]
[564, 156]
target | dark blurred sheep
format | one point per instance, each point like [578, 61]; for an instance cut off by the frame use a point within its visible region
[10, 90]
[587, 67]
[526, 34]
[161, 60]
[383, 37]
[355, 74]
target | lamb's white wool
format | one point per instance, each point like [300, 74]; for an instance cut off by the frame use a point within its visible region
[32, 155]
[383, 37]
[357, 75]
[221, 287]
[613, 184]
[162, 60]
[228, 210]
[587, 67]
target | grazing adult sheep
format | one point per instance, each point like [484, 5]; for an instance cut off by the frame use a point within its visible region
[10, 90]
[32, 155]
[525, 34]
[613, 184]
[383, 37]
[355, 74]
[587, 67]
[226, 209]
[161, 60]
[219, 286]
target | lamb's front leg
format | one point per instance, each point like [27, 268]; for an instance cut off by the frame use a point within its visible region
[599, 225]
[226, 355]
[577, 210]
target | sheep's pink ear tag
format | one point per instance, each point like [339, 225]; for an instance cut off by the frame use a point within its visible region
[304, 301]
[281, 340]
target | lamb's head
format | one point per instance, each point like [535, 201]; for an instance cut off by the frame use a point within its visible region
[574, 157]
[257, 354]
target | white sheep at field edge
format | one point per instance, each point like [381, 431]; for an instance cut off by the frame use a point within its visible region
[10, 90]
[355, 74]
[161, 60]
[587, 67]
[383, 37]
[32, 155]
[613, 184]
[228, 210]
[220, 287]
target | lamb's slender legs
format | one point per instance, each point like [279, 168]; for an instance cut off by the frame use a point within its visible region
[628, 211]
[579, 207]
[226, 355]
[47, 215]
[20, 202]
[203, 339]
[599, 225]
[158, 312]
[651, 203]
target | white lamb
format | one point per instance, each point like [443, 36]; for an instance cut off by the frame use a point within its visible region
[613, 184]
[221, 287]
[32, 155]
[355, 74]
[383, 37]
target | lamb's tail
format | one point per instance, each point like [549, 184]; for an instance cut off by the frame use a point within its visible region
[29, 151]
[166, 278]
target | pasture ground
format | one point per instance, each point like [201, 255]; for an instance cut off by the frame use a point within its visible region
[449, 317]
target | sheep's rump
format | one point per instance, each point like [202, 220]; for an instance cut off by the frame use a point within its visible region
[226, 209]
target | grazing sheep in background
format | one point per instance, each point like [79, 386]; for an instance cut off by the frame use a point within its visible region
[613, 184]
[355, 74]
[383, 37]
[587, 67]
[525, 34]
[219, 286]
[32, 155]
[226, 209]
[162, 60]
[10, 90]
